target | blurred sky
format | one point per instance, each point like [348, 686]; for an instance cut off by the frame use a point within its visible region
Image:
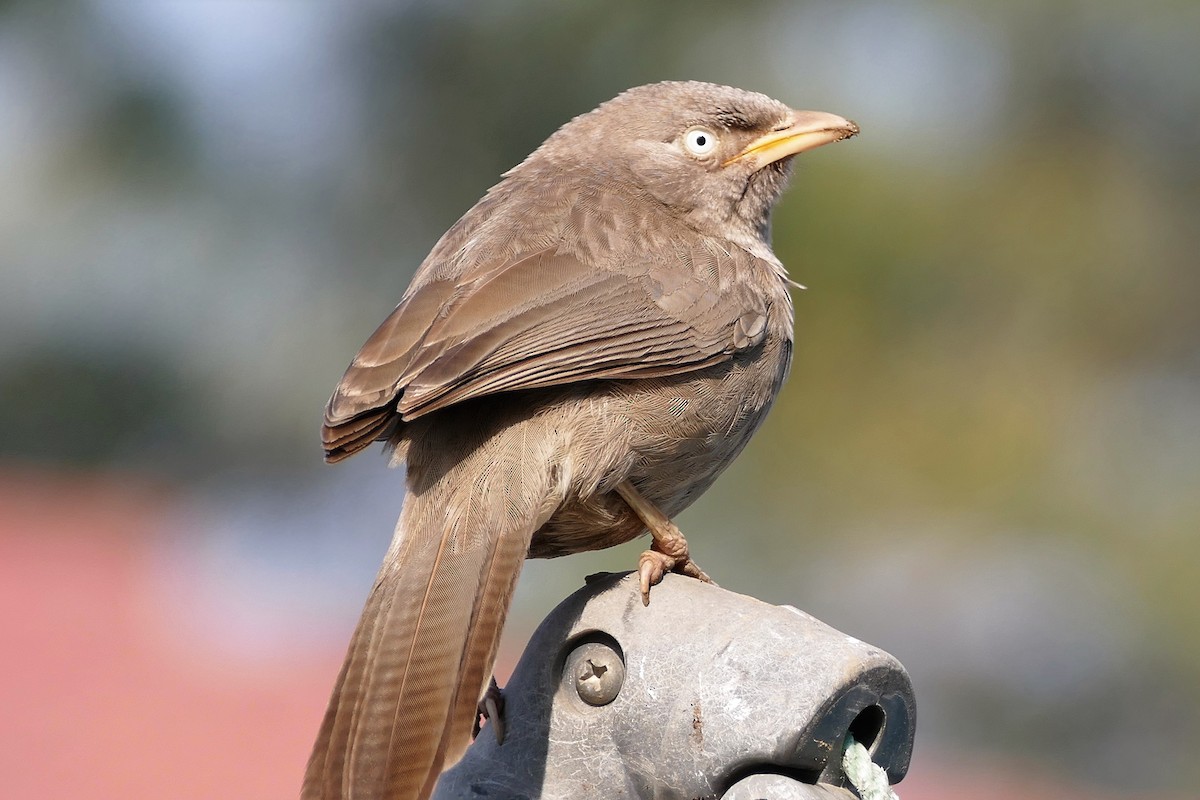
[987, 457]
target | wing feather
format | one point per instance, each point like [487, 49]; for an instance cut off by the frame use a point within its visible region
[541, 319]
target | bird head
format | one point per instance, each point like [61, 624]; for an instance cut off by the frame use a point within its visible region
[717, 156]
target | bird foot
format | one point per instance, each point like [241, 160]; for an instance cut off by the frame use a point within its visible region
[653, 565]
[491, 708]
[669, 550]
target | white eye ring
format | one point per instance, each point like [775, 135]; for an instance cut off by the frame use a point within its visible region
[700, 141]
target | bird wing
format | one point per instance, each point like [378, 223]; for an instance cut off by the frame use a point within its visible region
[543, 319]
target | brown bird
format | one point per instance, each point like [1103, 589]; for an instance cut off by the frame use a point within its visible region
[576, 361]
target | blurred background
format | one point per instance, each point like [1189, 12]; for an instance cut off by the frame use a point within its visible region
[986, 461]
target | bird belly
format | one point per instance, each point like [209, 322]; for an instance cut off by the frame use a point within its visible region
[670, 437]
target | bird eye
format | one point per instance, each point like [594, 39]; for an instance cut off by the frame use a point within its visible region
[700, 141]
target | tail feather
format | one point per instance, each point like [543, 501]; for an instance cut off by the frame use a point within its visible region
[479, 652]
[326, 773]
[389, 709]
[326, 768]
[418, 713]
[404, 703]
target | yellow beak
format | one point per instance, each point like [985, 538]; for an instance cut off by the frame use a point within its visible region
[805, 131]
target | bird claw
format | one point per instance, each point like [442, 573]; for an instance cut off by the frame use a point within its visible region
[491, 708]
[669, 549]
[653, 565]
[651, 568]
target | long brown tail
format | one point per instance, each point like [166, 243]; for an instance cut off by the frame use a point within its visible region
[404, 704]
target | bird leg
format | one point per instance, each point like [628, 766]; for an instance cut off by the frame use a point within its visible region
[669, 550]
[491, 708]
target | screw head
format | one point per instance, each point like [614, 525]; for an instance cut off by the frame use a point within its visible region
[597, 672]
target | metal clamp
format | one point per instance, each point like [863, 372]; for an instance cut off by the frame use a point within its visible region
[703, 694]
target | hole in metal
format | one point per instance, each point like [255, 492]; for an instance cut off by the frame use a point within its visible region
[867, 726]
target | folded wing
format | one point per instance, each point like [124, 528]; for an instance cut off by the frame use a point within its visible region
[540, 319]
